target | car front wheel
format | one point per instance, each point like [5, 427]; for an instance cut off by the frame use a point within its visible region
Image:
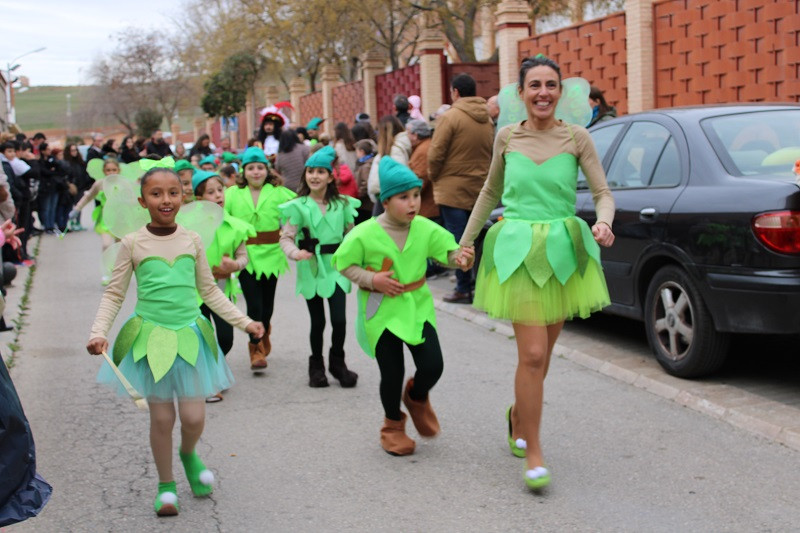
[679, 327]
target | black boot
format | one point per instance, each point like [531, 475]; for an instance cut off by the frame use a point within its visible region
[338, 369]
[316, 372]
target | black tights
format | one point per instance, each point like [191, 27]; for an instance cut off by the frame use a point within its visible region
[427, 357]
[316, 309]
[260, 297]
[223, 329]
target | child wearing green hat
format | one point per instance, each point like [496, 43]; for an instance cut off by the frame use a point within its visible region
[255, 200]
[209, 163]
[314, 224]
[227, 255]
[387, 257]
[185, 172]
[312, 128]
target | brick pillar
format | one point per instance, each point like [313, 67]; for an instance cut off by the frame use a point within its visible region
[210, 127]
[431, 77]
[297, 88]
[372, 64]
[249, 118]
[273, 95]
[512, 25]
[639, 35]
[330, 79]
[487, 32]
[175, 129]
[197, 124]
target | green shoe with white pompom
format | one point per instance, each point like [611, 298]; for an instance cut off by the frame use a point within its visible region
[200, 478]
[166, 503]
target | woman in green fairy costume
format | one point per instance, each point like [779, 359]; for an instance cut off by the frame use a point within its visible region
[167, 349]
[255, 199]
[387, 257]
[227, 254]
[314, 224]
[541, 263]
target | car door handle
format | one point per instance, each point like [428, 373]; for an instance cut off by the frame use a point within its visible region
[648, 214]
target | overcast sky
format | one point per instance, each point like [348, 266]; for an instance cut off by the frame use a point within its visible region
[73, 32]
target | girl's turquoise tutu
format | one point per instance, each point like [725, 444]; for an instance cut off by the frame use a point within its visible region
[209, 376]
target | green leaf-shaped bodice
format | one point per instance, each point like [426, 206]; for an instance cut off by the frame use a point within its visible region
[166, 291]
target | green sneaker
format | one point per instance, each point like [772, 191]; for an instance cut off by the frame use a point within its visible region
[166, 503]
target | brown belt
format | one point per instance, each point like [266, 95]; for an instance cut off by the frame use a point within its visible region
[265, 237]
[407, 287]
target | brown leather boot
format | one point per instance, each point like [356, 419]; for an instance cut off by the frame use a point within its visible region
[266, 345]
[421, 413]
[258, 361]
[394, 439]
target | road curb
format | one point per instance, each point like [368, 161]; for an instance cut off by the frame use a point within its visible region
[755, 414]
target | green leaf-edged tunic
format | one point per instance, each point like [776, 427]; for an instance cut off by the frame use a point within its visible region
[367, 246]
[229, 235]
[265, 259]
[316, 276]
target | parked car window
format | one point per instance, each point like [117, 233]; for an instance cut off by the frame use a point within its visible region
[668, 168]
[766, 142]
[637, 155]
[603, 138]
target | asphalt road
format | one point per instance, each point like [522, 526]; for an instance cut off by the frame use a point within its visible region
[291, 458]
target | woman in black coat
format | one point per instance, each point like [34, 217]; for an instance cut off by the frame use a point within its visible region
[78, 177]
[202, 147]
[127, 151]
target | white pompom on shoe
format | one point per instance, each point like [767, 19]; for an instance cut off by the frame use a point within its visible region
[206, 477]
[521, 444]
[168, 498]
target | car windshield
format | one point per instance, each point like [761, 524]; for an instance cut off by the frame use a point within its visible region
[763, 142]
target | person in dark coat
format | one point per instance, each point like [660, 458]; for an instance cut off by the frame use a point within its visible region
[127, 150]
[157, 145]
[201, 147]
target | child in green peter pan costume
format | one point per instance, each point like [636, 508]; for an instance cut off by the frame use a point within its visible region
[255, 199]
[209, 162]
[314, 225]
[167, 349]
[387, 257]
[226, 254]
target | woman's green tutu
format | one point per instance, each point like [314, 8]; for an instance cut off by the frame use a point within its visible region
[522, 300]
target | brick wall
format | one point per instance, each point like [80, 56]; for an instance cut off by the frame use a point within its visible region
[348, 101]
[310, 107]
[594, 50]
[403, 81]
[487, 77]
[715, 51]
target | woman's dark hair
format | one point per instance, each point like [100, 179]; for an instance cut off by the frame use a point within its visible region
[301, 130]
[539, 60]
[201, 189]
[342, 132]
[123, 144]
[108, 146]
[331, 192]
[68, 155]
[153, 171]
[203, 137]
[363, 130]
[596, 94]
[288, 141]
[272, 177]
[42, 147]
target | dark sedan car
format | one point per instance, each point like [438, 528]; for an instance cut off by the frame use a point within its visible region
[707, 226]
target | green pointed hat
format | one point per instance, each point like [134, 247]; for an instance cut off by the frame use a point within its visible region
[200, 176]
[229, 157]
[209, 159]
[314, 123]
[254, 154]
[395, 178]
[182, 164]
[322, 158]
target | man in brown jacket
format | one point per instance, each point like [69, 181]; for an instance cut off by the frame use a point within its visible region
[458, 163]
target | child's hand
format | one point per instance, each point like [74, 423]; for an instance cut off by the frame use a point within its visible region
[228, 265]
[303, 255]
[10, 230]
[466, 257]
[97, 346]
[256, 329]
[602, 234]
[383, 282]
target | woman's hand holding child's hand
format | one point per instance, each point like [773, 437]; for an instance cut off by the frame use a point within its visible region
[383, 282]
[603, 234]
[226, 267]
[466, 257]
[256, 329]
[302, 255]
[97, 346]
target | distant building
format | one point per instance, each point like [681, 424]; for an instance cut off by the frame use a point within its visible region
[4, 101]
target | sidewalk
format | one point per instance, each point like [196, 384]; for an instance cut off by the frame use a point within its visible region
[773, 420]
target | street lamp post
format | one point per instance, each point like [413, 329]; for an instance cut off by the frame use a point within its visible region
[11, 67]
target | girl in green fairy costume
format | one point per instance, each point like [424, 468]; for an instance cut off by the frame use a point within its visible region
[387, 258]
[227, 254]
[167, 349]
[255, 199]
[541, 263]
[314, 225]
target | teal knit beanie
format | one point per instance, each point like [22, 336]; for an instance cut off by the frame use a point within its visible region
[395, 178]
